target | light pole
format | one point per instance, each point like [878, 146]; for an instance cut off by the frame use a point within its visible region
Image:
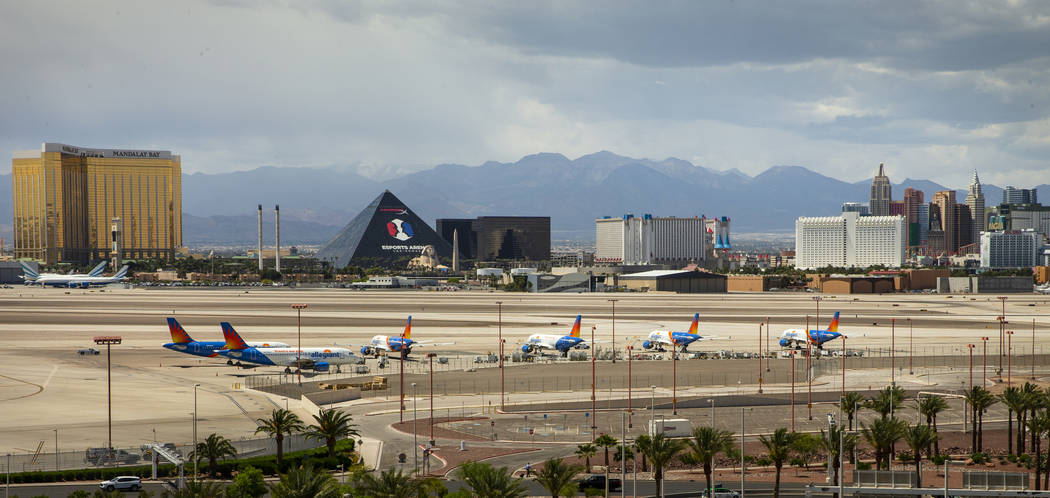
[767, 342]
[415, 434]
[759, 360]
[430, 356]
[613, 301]
[893, 347]
[984, 367]
[1009, 357]
[1002, 336]
[1033, 349]
[712, 401]
[196, 454]
[793, 390]
[652, 409]
[809, 367]
[298, 353]
[630, 360]
[594, 400]
[109, 341]
[843, 366]
[56, 449]
[911, 348]
[674, 376]
[499, 311]
[970, 347]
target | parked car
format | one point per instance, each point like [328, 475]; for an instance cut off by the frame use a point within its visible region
[597, 481]
[87, 351]
[720, 492]
[123, 483]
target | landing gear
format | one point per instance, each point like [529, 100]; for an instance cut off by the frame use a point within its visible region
[229, 362]
[287, 370]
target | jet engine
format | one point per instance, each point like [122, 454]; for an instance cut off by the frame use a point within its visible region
[785, 343]
[647, 345]
[321, 366]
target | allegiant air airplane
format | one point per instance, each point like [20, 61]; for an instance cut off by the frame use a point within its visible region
[395, 344]
[795, 338]
[659, 339]
[183, 343]
[538, 343]
[316, 359]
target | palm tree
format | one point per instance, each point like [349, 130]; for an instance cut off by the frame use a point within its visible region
[919, 437]
[930, 407]
[605, 442]
[1038, 426]
[557, 477]
[849, 403]
[778, 449]
[281, 422]
[660, 450]
[305, 482]
[214, 448]
[1032, 402]
[887, 401]
[390, 484]
[706, 443]
[833, 442]
[586, 451]
[623, 453]
[331, 426]
[485, 480]
[980, 399]
[641, 443]
[882, 434]
[1015, 405]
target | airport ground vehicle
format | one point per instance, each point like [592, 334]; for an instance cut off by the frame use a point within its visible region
[720, 492]
[129, 483]
[597, 481]
[86, 351]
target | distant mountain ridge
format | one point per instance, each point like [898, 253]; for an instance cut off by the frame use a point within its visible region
[317, 202]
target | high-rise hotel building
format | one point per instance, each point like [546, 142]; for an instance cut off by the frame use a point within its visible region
[850, 240]
[67, 200]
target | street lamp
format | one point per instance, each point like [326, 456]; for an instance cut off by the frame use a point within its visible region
[594, 400]
[630, 360]
[613, 301]
[415, 437]
[793, 389]
[893, 347]
[759, 358]
[809, 366]
[499, 328]
[298, 353]
[674, 376]
[984, 367]
[652, 409]
[712, 401]
[970, 347]
[911, 348]
[431, 356]
[56, 449]
[109, 341]
[196, 454]
[1009, 356]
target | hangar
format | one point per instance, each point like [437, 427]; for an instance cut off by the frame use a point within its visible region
[680, 281]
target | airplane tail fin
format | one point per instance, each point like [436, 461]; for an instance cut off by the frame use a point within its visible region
[695, 325]
[834, 325]
[407, 334]
[30, 274]
[233, 339]
[178, 334]
[98, 269]
[123, 272]
[576, 327]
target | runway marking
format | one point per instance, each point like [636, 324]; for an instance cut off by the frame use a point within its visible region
[39, 388]
[54, 369]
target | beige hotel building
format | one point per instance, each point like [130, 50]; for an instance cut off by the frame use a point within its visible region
[67, 200]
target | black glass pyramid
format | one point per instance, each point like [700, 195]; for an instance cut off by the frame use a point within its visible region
[386, 230]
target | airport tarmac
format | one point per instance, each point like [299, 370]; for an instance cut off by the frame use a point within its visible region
[45, 385]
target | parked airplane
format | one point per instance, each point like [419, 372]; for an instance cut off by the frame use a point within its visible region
[388, 344]
[795, 338]
[538, 343]
[30, 276]
[316, 359]
[73, 281]
[183, 343]
[659, 339]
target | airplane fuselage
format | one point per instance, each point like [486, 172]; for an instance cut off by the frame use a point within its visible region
[210, 349]
[560, 343]
[796, 338]
[286, 357]
[659, 339]
[392, 344]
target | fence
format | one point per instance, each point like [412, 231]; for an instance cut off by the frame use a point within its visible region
[995, 480]
[884, 478]
[100, 458]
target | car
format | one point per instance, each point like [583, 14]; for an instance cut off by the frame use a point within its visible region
[129, 483]
[720, 492]
[86, 351]
[597, 481]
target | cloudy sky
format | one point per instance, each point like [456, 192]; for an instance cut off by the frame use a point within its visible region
[933, 89]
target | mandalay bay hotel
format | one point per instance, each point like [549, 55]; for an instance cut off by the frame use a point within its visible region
[76, 204]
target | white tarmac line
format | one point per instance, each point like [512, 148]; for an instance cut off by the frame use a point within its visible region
[54, 369]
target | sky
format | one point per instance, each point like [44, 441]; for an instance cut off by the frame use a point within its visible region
[932, 89]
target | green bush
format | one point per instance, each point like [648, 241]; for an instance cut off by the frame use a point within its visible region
[940, 459]
[863, 465]
[1011, 458]
[763, 461]
[905, 457]
[978, 457]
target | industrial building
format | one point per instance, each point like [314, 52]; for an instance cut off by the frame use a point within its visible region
[67, 200]
[488, 238]
[387, 232]
[1011, 249]
[683, 282]
[850, 240]
[646, 240]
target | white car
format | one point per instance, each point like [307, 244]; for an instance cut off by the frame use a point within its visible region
[129, 483]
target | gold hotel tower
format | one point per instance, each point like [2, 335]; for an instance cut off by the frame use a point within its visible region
[66, 199]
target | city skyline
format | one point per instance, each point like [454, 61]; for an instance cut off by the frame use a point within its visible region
[393, 87]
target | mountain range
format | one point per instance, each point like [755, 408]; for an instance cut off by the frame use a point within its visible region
[316, 202]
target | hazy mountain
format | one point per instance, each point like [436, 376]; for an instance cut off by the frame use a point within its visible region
[317, 202]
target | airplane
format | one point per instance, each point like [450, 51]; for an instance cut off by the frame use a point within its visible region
[316, 359]
[537, 343]
[74, 281]
[183, 343]
[388, 344]
[658, 339]
[795, 338]
[30, 276]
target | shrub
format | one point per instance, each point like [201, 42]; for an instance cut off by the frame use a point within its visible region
[905, 457]
[863, 465]
[763, 461]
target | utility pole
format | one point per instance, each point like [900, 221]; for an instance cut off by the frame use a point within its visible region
[793, 389]
[759, 358]
[499, 310]
[196, 453]
[809, 367]
[299, 352]
[613, 301]
[893, 347]
[911, 348]
[594, 400]
[630, 410]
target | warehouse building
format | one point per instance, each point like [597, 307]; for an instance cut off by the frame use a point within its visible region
[683, 282]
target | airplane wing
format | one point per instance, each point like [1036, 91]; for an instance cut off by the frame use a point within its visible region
[417, 344]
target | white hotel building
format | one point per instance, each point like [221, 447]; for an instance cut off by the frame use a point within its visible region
[850, 240]
[1011, 249]
[647, 240]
